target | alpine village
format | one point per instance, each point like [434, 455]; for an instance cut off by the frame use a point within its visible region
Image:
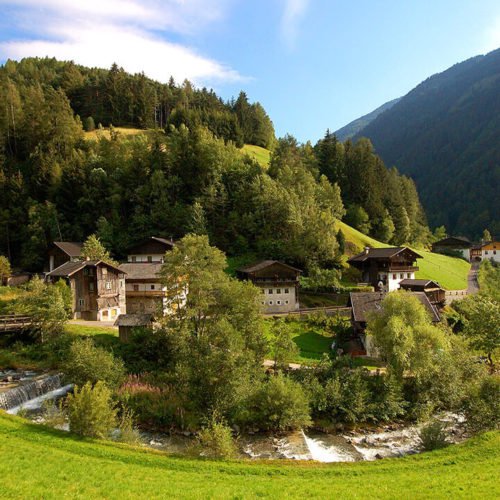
[194, 307]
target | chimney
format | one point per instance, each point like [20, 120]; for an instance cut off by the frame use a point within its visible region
[367, 249]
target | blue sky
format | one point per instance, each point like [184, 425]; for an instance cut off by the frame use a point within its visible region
[313, 64]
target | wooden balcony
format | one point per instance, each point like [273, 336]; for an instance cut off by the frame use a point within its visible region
[145, 293]
[398, 268]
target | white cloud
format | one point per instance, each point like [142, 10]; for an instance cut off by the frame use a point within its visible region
[491, 38]
[101, 32]
[293, 12]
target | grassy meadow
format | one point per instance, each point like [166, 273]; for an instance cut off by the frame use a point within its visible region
[38, 462]
[262, 155]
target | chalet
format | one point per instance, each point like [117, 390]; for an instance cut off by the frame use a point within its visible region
[98, 288]
[434, 292]
[150, 250]
[278, 282]
[126, 323]
[362, 304]
[453, 245]
[61, 252]
[486, 251]
[385, 268]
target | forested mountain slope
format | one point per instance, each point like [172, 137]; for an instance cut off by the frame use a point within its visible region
[445, 134]
[352, 128]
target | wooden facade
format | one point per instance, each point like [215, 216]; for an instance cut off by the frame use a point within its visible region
[151, 250]
[61, 252]
[435, 294]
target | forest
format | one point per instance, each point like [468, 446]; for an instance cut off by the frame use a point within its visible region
[185, 174]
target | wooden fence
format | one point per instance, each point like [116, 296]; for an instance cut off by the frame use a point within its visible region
[14, 323]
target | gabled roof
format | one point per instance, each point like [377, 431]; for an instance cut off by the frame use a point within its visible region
[258, 266]
[163, 241]
[382, 253]
[70, 248]
[423, 283]
[134, 320]
[141, 270]
[69, 268]
[363, 303]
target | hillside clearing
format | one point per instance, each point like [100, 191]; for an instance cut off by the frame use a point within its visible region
[262, 155]
[96, 134]
[39, 462]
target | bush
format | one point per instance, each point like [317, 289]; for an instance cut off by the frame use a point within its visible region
[91, 412]
[87, 363]
[126, 431]
[280, 404]
[433, 436]
[482, 408]
[216, 440]
[89, 124]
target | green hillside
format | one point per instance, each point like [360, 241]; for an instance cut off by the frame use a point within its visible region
[262, 155]
[450, 272]
[42, 463]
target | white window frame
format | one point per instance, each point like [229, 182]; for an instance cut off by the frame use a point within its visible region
[108, 285]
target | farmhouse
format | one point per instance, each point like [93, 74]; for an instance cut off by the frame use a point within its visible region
[434, 292]
[385, 268]
[61, 252]
[278, 282]
[453, 245]
[98, 288]
[150, 250]
[363, 304]
[486, 251]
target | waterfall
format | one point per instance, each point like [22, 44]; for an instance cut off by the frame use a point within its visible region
[14, 398]
[326, 453]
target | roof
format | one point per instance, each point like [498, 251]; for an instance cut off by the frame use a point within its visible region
[424, 283]
[141, 270]
[169, 243]
[258, 266]
[71, 248]
[364, 303]
[453, 240]
[134, 320]
[69, 268]
[382, 253]
[163, 241]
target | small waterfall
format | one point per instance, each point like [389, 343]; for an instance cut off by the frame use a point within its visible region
[15, 397]
[326, 453]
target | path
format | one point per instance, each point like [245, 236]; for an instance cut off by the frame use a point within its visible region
[472, 283]
[97, 324]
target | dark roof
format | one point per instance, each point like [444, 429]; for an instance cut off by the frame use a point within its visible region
[258, 266]
[134, 320]
[366, 302]
[69, 268]
[453, 240]
[424, 283]
[164, 241]
[381, 253]
[141, 270]
[71, 248]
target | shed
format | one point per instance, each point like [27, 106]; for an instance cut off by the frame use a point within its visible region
[127, 322]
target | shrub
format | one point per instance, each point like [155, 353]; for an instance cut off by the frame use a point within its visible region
[90, 411]
[216, 440]
[482, 408]
[126, 431]
[87, 363]
[89, 124]
[433, 436]
[280, 404]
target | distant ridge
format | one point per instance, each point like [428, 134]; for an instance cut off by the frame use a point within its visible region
[351, 129]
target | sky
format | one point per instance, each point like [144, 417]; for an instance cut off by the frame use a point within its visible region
[313, 64]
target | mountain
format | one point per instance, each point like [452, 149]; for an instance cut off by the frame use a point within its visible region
[445, 134]
[351, 129]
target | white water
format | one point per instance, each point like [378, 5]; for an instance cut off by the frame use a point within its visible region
[36, 403]
[326, 453]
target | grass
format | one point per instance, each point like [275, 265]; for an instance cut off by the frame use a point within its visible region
[8, 295]
[97, 134]
[262, 155]
[38, 462]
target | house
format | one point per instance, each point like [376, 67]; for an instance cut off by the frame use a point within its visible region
[150, 250]
[98, 288]
[457, 245]
[385, 268]
[278, 282]
[127, 322]
[362, 304]
[489, 250]
[61, 252]
[434, 292]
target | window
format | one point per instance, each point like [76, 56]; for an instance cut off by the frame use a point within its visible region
[270, 291]
[152, 287]
[91, 287]
[394, 276]
[270, 302]
[81, 302]
[408, 275]
[136, 288]
[108, 285]
[286, 301]
[104, 271]
[86, 271]
[494, 252]
[150, 258]
[134, 258]
[278, 290]
[287, 290]
[263, 290]
[401, 276]
[486, 252]
[278, 302]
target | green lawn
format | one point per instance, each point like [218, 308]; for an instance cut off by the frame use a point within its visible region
[262, 155]
[41, 463]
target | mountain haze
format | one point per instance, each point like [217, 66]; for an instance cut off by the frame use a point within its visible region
[445, 134]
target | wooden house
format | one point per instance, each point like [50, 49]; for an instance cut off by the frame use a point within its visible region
[489, 250]
[126, 323]
[98, 289]
[278, 282]
[150, 250]
[61, 252]
[385, 268]
[362, 304]
[458, 245]
[435, 294]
